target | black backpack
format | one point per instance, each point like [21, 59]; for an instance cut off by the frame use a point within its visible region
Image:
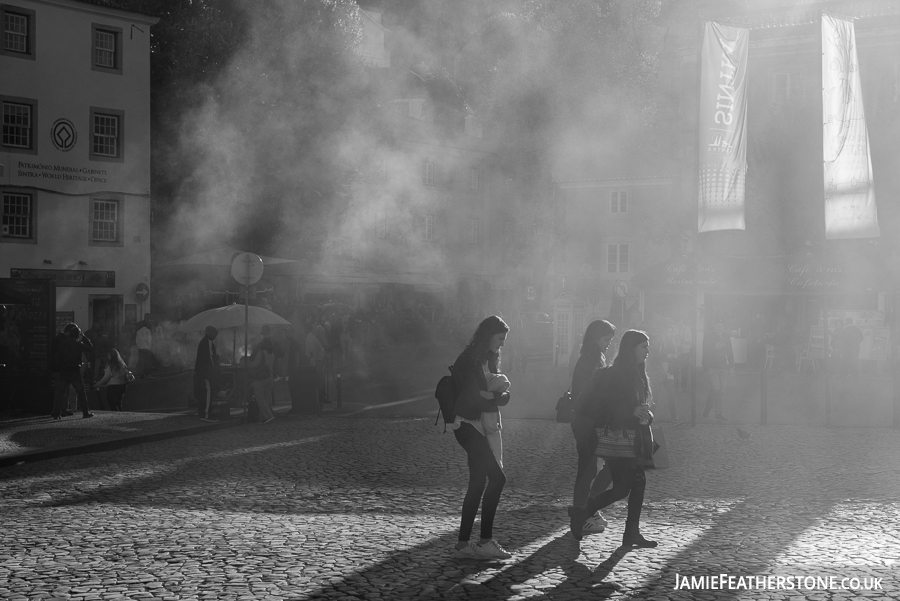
[445, 393]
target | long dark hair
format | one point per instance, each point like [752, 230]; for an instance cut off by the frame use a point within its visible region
[116, 363]
[478, 346]
[634, 374]
[596, 330]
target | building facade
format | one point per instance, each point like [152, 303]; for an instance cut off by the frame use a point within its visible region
[75, 155]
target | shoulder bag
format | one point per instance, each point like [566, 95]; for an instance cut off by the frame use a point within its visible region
[615, 443]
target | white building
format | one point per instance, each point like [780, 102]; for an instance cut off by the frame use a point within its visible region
[75, 154]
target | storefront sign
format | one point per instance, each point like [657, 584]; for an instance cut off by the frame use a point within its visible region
[35, 322]
[681, 274]
[803, 276]
[69, 277]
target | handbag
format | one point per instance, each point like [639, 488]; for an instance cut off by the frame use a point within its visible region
[129, 375]
[564, 408]
[615, 443]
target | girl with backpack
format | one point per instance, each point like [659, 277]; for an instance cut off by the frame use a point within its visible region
[618, 406]
[471, 373]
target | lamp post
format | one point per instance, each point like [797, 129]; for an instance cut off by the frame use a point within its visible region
[246, 269]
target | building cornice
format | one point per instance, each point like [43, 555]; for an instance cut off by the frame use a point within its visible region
[102, 9]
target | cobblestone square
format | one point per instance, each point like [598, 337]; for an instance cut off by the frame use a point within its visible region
[354, 508]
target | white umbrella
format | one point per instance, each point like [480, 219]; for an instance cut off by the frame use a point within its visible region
[231, 316]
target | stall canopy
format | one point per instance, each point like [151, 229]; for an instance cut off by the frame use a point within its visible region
[219, 257]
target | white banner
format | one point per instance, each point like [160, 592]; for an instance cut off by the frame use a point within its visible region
[723, 127]
[849, 186]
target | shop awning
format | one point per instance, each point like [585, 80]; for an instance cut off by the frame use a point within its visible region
[801, 274]
[741, 275]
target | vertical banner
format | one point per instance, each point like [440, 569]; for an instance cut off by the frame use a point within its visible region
[849, 185]
[723, 127]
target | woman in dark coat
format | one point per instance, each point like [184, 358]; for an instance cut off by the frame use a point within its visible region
[587, 480]
[619, 398]
[470, 373]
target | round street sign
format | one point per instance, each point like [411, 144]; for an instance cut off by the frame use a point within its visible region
[621, 288]
[246, 268]
[142, 292]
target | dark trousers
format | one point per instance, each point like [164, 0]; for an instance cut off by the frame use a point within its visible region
[483, 469]
[205, 391]
[628, 481]
[114, 395]
[61, 394]
[588, 482]
[145, 363]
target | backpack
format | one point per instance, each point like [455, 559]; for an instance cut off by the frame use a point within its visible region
[445, 393]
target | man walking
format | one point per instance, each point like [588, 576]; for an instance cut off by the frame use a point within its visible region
[69, 358]
[718, 361]
[206, 374]
[144, 341]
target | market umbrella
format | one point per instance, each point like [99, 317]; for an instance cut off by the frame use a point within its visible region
[231, 316]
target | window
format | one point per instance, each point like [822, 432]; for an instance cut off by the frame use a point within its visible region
[428, 173]
[104, 221]
[474, 227]
[429, 228]
[19, 124]
[106, 48]
[18, 32]
[618, 202]
[18, 220]
[617, 258]
[381, 225]
[787, 86]
[474, 180]
[107, 134]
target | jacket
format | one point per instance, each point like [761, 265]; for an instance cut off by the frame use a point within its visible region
[717, 351]
[607, 402]
[588, 363]
[207, 359]
[469, 381]
[68, 356]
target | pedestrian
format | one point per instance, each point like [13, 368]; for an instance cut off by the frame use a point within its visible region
[69, 358]
[115, 378]
[589, 480]
[718, 362]
[666, 368]
[618, 404]
[471, 371]
[316, 354]
[206, 374]
[144, 341]
[101, 349]
[262, 366]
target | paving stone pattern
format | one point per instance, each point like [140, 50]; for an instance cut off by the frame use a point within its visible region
[351, 508]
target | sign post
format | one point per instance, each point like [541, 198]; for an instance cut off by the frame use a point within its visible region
[142, 293]
[246, 269]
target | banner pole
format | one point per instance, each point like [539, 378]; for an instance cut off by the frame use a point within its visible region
[825, 358]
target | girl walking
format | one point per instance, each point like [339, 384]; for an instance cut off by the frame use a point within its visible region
[471, 373]
[618, 405]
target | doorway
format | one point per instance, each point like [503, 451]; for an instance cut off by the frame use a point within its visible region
[107, 310]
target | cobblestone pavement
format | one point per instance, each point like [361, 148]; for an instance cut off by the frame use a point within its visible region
[353, 508]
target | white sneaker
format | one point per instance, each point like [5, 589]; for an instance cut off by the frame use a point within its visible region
[491, 550]
[595, 523]
[467, 552]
